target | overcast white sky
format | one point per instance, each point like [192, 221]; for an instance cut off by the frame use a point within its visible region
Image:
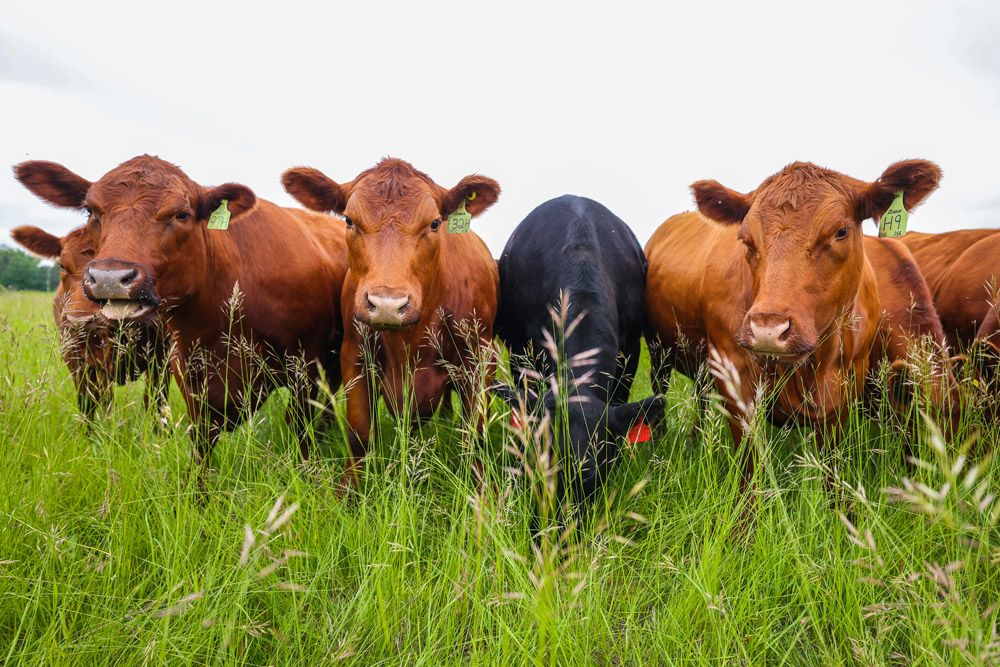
[626, 103]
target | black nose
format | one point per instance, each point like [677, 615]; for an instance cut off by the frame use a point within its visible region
[110, 284]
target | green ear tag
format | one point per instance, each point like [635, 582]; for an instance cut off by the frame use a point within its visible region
[220, 216]
[893, 222]
[459, 221]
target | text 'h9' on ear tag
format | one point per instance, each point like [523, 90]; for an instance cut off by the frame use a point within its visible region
[460, 221]
[893, 222]
[220, 216]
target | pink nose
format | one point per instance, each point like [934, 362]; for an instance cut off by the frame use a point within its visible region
[769, 332]
[387, 310]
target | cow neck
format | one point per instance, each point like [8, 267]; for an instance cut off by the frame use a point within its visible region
[192, 317]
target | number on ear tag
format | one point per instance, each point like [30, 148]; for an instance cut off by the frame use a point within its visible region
[893, 222]
[459, 221]
[220, 216]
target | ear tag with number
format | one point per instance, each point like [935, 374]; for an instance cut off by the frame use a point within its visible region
[893, 221]
[460, 221]
[639, 433]
[220, 216]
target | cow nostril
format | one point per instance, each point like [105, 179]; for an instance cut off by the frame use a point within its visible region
[760, 331]
[129, 277]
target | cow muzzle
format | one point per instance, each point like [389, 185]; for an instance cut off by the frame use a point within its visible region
[773, 335]
[388, 309]
[122, 289]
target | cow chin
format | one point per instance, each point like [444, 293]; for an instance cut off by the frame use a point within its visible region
[400, 324]
[792, 353]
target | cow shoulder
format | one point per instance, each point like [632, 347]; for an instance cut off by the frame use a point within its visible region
[903, 294]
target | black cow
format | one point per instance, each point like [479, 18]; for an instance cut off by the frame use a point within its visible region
[575, 248]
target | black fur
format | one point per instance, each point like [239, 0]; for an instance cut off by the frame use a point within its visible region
[576, 246]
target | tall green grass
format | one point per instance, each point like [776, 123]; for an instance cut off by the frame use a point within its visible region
[108, 554]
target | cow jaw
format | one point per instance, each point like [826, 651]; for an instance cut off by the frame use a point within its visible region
[122, 309]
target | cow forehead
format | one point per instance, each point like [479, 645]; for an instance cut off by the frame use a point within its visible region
[77, 250]
[802, 184]
[142, 181]
[393, 188]
[802, 196]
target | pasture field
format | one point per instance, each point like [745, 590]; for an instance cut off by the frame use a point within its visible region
[110, 556]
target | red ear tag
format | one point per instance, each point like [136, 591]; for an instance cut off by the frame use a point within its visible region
[639, 433]
[514, 421]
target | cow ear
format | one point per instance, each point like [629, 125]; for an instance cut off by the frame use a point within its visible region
[38, 241]
[478, 193]
[53, 183]
[240, 199]
[315, 190]
[719, 203]
[622, 418]
[916, 179]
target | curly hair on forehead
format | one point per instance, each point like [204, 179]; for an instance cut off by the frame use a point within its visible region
[139, 181]
[393, 179]
[801, 182]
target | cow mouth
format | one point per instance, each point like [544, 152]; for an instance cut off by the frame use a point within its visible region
[386, 326]
[125, 309]
[781, 358]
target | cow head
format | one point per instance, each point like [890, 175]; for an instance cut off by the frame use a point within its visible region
[87, 335]
[147, 222]
[73, 252]
[395, 221]
[583, 427]
[802, 232]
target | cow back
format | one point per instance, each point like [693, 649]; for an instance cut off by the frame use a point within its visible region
[577, 248]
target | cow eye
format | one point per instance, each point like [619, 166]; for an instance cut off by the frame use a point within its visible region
[350, 223]
[88, 210]
[841, 233]
[183, 215]
[435, 225]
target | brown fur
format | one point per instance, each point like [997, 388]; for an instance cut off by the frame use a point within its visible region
[97, 352]
[289, 265]
[989, 330]
[448, 278]
[778, 256]
[960, 266]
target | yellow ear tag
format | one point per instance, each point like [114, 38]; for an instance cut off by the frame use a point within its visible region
[893, 221]
[460, 221]
[220, 216]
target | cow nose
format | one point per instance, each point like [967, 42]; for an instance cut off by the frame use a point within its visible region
[769, 331]
[110, 283]
[384, 309]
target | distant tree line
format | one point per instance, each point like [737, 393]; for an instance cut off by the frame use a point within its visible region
[21, 271]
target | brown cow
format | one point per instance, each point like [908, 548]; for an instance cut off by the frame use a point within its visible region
[245, 305]
[413, 286]
[962, 269]
[788, 290]
[96, 351]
